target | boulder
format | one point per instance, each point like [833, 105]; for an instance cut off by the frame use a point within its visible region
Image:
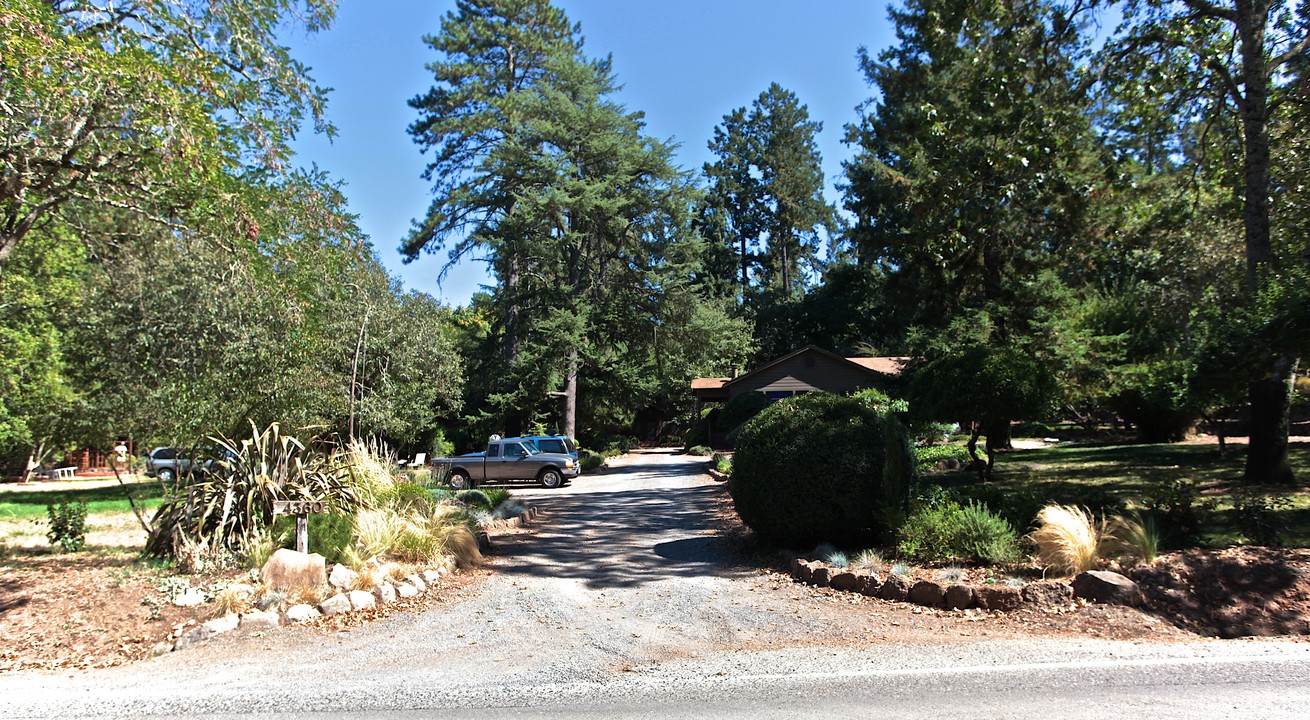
[385, 593]
[431, 577]
[484, 542]
[844, 580]
[801, 570]
[872, 584]
[895, 587]
[190, 597]
[361, 600]
[335, 605]
[998, 597]
[927, 593]
[1107, 587]
[194, 636]
[290, 571]
[301, 613]
[417, 582]
[821, 575]
[260, 619]
[1047, 593]
[406, 590]
[163, 648]
[958, 597]
[228, 622]
[342, 577]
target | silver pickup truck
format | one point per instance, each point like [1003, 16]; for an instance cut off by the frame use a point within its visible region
[508, 460]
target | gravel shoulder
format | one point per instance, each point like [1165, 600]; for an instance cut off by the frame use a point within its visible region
[633, 584]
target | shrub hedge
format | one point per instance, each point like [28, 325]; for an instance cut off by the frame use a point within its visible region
[823, 467]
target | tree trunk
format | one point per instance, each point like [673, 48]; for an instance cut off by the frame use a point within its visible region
[571, 395]
[513, 418]
[1271, 396]
[1266, 455]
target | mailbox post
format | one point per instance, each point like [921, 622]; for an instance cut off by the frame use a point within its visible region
[302, 510]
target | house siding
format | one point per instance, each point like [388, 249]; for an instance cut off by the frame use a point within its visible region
[825, 375]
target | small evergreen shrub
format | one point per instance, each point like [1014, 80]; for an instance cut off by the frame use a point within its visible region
[837, 559]
[699, 450]
[1260, 517]
[67, 525]
[928, 458]
[723, 463]
[496, 496]
[868, 560]
[943, 529]
[474, 499]
[590, 460]
[822, 467]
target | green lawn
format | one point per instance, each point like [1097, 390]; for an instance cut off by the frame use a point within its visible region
[31, 504]
[1112, 478]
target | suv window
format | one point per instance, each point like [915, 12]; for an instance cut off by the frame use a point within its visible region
[551, 445]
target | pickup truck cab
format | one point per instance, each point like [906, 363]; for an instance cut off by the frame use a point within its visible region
[509, 460]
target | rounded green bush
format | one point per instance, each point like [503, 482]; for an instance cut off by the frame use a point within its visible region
[474, 498]
[822, 467]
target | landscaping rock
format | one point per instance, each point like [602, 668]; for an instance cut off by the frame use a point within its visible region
[998, 597]
[194, 636]
[895, 587]
[224, 624]
[290, 571]
[958, 597]
[301, 613]
[871, 584]
[191, 597]
[342, 577]
[484, 542]
[385, 593]
[927, 593]
[417, 582]
[1107, 587]
[335, 605]
[361, 600]
[269, 602]
[162, 648]
[241, 590]
[431, 577]
[801, 570]
[844, 580]
[821, 575]
[1047, 594]
[258, 619]
[406, 590]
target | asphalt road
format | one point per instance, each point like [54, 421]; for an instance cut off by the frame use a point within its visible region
[626, 602]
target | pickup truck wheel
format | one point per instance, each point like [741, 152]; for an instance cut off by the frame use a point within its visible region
[550, 478]
[166, 475]
[460, 481]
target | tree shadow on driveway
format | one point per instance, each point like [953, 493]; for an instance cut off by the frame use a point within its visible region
[625, 538]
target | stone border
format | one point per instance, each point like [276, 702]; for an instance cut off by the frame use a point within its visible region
[344, 600]
[1096, 586]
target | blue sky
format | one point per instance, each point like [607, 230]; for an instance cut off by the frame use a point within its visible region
[684, 63]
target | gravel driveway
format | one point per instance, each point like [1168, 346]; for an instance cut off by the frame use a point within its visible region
[624, 592]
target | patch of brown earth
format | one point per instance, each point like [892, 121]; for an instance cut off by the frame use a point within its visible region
[1236, 592]
[82, 610]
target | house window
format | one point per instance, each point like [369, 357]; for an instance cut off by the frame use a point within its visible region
[778, 394]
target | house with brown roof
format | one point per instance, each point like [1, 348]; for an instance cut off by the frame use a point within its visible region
[809, 369]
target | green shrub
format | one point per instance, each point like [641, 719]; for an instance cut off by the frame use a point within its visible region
[699, 450]
[1178, 503]
[406, 496]
[722, 463]
[1261, 517]
[928, 458]
[815, 467]
[67, 525]
[741, 409]
[589, 460]
[474, 498]
[943, 529]
[496, 496]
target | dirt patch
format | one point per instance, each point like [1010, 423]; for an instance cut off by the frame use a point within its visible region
[1236, 592]
[82, 610]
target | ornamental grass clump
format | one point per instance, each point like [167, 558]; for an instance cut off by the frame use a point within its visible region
[1068, 540]
[1135, 536]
